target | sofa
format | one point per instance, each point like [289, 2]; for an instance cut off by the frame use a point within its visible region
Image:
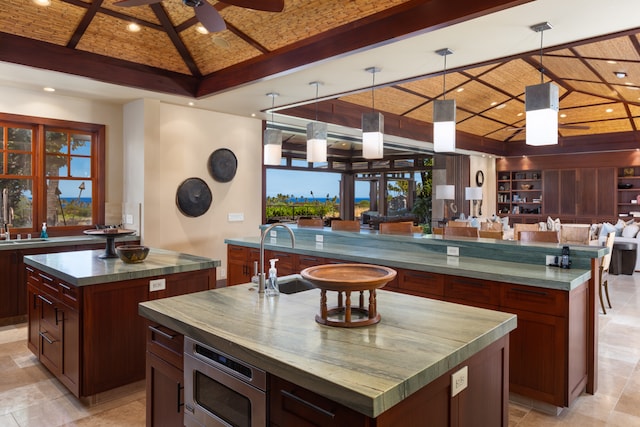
[626, 231]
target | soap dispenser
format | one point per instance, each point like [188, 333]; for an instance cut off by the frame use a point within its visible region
[43, 233]
[272, 283]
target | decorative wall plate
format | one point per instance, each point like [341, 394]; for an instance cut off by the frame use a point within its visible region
[222, 165]
[193, 197]
[479, 178]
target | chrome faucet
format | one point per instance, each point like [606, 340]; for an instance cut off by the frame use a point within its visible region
[263, 236]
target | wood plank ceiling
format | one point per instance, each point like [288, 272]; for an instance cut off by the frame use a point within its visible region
[170, 54]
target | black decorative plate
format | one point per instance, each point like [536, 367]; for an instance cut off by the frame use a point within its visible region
[193, 197]
[222, 165]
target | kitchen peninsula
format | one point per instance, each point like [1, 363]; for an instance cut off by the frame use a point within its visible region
[397, 371]
[82, 311]
[553, 351]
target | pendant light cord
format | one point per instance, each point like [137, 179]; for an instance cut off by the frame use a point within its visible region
[541, 66]
[373, 84]
[444, 79]
[317, 88]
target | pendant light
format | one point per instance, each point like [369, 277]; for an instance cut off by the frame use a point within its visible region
[444, 115]
[316, 136]
[541, 105]
[373, 126]
[272, 139]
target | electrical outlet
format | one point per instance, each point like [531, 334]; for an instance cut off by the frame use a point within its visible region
[319, 238]
[552, 260]
[453, 261]
[459, 381]
[273, 234]
[223, 272]
[128, 219]
[157, 285]
[453, 251]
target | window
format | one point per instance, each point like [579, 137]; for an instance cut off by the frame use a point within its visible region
[51, 171]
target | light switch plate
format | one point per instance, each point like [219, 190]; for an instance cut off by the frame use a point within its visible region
[128, 219]
[235, 217]
[459, 381]
[157, 285]
[273, 234]
[319, 238]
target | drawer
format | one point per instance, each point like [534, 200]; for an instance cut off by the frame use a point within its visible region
[305, 261]
[534, 299]
[236, 253]
[48, 285]
[69, 294]
[165, 343]
[464, 290]
[32, 276]
[421, 282]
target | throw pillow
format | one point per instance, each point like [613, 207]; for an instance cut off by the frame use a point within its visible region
[542, 226]
[606, 228]
[474, 222]
[505, 223]
[619, 227]
[630, 230]
[594, 232]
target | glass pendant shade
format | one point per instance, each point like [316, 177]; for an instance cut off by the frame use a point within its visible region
[372, 135]
[316, 142]
[272, 147]
[444, 126]
[541, 106]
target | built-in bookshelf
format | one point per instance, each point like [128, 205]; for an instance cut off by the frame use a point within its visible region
[519, 193]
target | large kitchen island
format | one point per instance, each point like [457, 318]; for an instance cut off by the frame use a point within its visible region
[83, 321]
[397, 372]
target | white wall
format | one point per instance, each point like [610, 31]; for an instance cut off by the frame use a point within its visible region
[177, 144]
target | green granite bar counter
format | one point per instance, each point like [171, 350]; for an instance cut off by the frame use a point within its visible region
[83, 268]
[369, 369]
[25, 243]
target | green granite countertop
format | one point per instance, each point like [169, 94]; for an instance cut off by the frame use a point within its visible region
[422, 256]
[37, 242]
[368, 369]
[83, 268]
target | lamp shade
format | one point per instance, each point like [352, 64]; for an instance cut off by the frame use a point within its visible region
[473, 193]
[445, 192]
[272, 147]
[541, 106]
[444, 126]
[316, 142]
[372, 135]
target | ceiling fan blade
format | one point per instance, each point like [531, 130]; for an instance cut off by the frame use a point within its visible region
[131, 3]
[265, 5]
[210, 18]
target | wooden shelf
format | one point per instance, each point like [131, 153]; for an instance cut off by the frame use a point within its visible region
[513, 199]
[625, 195]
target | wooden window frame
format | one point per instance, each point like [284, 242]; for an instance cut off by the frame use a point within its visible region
[98, 159]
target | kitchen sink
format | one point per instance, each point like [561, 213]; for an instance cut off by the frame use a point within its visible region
[293, 283]
[33, 240]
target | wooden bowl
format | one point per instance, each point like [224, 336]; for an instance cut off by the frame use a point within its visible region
[348, 277]
[132, 254]
[526, 186]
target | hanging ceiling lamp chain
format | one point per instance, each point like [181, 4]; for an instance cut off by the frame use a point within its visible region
[444, 53]
[373, 71]
[540, 28]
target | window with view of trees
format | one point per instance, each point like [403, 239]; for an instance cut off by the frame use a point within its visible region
[50, 172]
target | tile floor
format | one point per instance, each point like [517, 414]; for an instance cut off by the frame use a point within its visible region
[30, 397]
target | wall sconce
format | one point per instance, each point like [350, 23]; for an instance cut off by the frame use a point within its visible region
[541, 105]
[316, 136]
[444, 115]
[272, 140]
[446, 193]
[373, 126]
[474, 194]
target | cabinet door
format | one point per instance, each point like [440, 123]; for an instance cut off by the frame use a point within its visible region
[70, 366]
[238, 270]
[421, 283]
[606, 199]
[568, 192]
[50, 333]
[33, 316]
[551, 192]
[165, 393]
[8, 287]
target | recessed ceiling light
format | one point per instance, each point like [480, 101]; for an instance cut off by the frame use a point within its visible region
[42, 2]
[519, 114]
[133, 27]
[563, 115]
[609, 110]
[201, 29]
[501, 106]
[611, 61]
[253, 114]
[620, 74]
[191, 103]
[48, 89]
[460, 89]
[494, 103]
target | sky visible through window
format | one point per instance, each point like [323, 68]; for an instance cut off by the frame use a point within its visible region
[302, 183]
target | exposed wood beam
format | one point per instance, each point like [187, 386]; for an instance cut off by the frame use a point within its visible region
[84, 24]
[33, 53]
[376, 30]
[162, 16]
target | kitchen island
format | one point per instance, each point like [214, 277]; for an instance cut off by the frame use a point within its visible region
[82, 311]
[395, 371]
[554, 350]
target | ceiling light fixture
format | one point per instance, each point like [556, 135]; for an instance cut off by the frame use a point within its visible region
[373, 125]
[444, 115]
[620, 74]
[272, 140]
[48, 89]
[541, 105]
[133, 27]
[316, 136]
[42, 2]
[201, 29]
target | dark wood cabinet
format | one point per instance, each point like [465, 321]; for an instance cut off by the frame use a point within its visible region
[9, 305]
[241, 264]
[628, 183]
[164, 379]
[91, 337]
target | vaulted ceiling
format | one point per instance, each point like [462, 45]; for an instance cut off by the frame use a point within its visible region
[171, 55]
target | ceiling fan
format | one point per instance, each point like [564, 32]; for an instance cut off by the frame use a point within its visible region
[208, 15]
[560, 126]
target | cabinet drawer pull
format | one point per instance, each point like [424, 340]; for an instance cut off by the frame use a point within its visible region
[45, 300]
[29, 269]
[179, 400]
[45, 277]
[308, 404]
[46, 338]
[164, 334]
[62, 285]
[529, 292]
